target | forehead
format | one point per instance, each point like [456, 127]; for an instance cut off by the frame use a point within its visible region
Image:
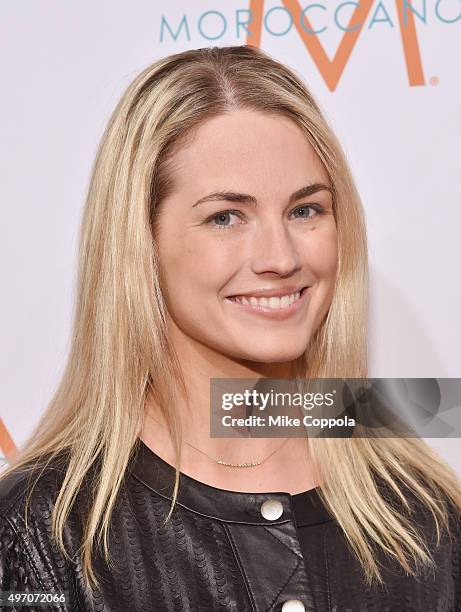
[249, 150]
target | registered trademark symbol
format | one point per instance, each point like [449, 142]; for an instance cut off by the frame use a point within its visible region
[434, 80]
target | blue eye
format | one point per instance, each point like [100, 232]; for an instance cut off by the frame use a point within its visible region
[306, 207]
[222, 215]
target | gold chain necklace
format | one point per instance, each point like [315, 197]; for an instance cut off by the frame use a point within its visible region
[246, 464]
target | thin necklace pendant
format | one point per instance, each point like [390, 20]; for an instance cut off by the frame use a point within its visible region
[247, 464]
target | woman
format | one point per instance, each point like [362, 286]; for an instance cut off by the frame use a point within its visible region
[217, 178]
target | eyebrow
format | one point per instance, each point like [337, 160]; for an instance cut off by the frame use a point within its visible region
[244, 198]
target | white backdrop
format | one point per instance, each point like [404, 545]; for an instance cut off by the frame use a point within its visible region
[64, 66]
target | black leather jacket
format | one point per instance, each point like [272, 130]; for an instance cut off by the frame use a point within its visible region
[221, 551]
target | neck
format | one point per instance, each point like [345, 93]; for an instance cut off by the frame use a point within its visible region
[199, 365]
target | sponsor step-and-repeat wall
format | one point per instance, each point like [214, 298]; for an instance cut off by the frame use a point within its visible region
[385, 74]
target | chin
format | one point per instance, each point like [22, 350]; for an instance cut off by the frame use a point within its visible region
[273, 355]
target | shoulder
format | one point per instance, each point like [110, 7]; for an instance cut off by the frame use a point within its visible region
[22, 546]
[28, 553]
[39, 482]
[418, 512]
[27, 497]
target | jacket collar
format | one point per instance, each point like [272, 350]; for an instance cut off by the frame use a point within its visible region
[221, 504]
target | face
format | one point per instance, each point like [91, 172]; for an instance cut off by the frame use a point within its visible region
[238, 230]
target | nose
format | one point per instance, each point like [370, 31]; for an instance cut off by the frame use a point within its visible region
[274, 250]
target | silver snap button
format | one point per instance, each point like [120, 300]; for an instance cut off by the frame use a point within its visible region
[293, 605]
[272, 509]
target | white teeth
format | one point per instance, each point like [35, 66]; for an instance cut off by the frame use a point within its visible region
[274, 303]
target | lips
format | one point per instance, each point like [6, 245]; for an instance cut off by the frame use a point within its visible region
[272, 302]
[273, 306]
[270, 292]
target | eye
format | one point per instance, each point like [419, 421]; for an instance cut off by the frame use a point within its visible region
[222, 217]
[315, 208]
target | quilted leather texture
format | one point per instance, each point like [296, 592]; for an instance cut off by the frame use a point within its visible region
[217, 554]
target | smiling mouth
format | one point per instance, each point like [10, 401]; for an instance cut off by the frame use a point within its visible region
[270, 303]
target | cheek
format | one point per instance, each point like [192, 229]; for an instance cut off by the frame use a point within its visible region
[191, 270]
[322, 254]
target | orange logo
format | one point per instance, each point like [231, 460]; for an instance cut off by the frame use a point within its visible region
[331, 70]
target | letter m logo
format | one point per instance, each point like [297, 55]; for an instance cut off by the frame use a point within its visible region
[331, 70]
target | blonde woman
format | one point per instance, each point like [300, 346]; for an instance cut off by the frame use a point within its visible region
[218, 179]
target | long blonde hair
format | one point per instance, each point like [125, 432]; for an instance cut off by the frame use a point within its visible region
[120, 349]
